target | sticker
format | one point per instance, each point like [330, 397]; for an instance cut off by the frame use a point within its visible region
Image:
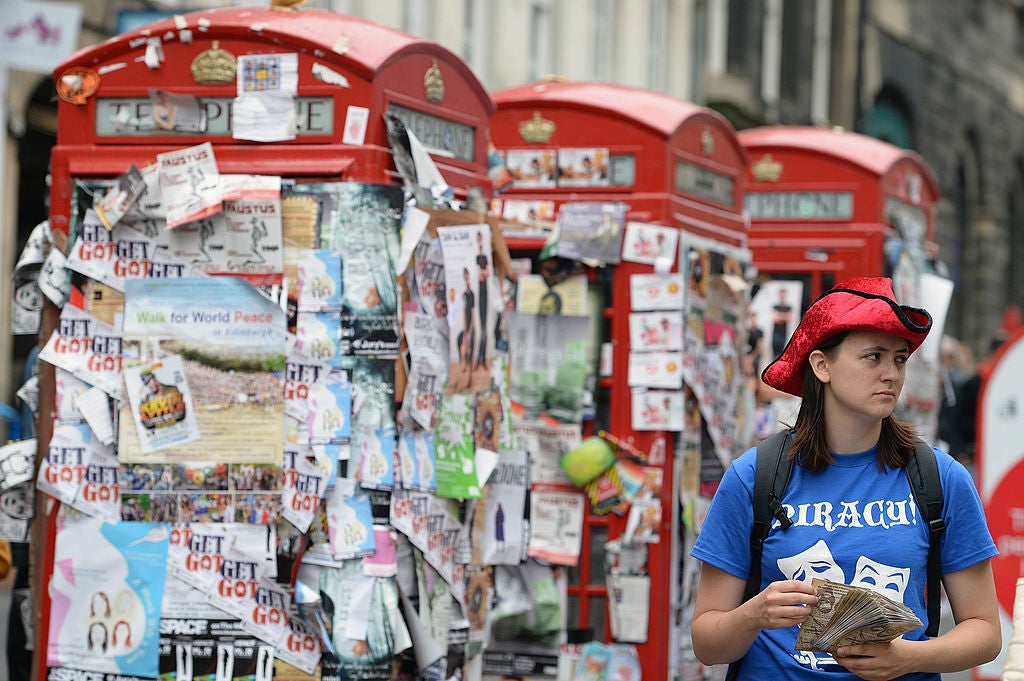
[355, 125]
[77, 84]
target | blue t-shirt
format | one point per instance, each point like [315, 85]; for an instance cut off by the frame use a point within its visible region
[852, 523]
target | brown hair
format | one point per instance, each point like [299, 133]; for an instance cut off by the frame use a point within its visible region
[810, 450]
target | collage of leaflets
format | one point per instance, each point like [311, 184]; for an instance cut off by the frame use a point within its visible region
[291, 439]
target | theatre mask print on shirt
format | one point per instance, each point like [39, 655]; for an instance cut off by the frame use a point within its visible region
[817, 561]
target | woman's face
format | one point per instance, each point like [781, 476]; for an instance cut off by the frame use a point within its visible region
[865, 373]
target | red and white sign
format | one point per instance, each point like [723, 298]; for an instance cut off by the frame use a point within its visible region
[1000, 470]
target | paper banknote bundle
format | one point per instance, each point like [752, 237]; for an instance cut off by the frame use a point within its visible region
[846, 615]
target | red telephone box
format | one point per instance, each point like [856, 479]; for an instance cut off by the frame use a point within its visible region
[824, 203]
[349, 73]
[675, 164]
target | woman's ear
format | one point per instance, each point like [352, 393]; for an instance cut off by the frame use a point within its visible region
[819, 365]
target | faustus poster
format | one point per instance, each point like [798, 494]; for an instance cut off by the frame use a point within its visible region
[189, 184]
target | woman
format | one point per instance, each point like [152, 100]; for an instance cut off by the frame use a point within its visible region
[854, 519]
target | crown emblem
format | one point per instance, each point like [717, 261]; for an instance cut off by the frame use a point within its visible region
[214, 66]
[767, 169]
[537, 129]
[707, 142]
[433, 84]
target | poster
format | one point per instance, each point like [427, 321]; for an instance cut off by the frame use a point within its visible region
[556, 524]
[112, 256]
[227, 343]
[245, 590]
[919, 401]
[106, 592]
[775, 311]
[232, 344]
[189, 184]
[305, 484]
[655, 331]
[715, 316]
[498, 529]
[568, 297]
[373, 420]
[16, 512]
[656, 292]
[81, 471]
[432, 526]
[27, 301]
[252, 232]
[583, 167]
[455, 449]
[17, 472]
[531, 168]
[472, 305]
[417, 460]
[365, 226]
[88, 348]
[646, 243]
[550, 355]
[427, 338]
[591, 231]
[161, 404]
[349, 522]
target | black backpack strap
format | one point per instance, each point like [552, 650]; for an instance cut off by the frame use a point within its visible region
[771, 476]
[923, 474]
[770, 480]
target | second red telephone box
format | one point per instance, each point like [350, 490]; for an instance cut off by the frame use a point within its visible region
[678, 168]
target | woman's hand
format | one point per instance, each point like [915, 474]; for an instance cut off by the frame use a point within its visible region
[878, 661]
[785, 604]
[724, 626]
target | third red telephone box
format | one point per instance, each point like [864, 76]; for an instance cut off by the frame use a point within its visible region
[673, 163]
[824, 203]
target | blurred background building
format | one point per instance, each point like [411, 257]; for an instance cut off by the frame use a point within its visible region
[941, 77]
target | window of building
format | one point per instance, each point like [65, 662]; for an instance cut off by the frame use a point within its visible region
[604, 38]
[890, 119]
[796, 57]
[1015, 211]
[962, 253]
[541, 31]
[658, 41]
[744, 45]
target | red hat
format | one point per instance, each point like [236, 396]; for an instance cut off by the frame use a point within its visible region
[861, 304]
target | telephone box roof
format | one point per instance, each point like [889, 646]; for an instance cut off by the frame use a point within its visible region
[363, 46]
[872, 155]
[660, 112]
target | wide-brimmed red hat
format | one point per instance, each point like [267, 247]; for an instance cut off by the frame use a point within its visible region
[861, 304]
